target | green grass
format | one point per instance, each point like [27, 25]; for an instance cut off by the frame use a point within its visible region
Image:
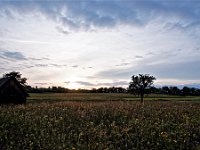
[100, 121]
[53, 97]
[77, 97]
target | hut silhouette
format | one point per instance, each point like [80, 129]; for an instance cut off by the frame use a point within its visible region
[11, 91]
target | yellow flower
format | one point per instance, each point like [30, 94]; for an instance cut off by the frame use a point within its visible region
[175, 141]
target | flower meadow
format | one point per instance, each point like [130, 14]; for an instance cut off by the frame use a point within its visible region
[100, 125]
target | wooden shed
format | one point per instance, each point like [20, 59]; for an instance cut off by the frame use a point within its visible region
[11, 91]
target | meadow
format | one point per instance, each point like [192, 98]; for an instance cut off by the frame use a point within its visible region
[99, 97]
[101, 121]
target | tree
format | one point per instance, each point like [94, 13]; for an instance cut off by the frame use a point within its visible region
[174, 90]
[140, 83]
[186, 91]
[165, 90]
[17, 75]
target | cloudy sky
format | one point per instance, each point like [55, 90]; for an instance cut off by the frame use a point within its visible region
[93, 43]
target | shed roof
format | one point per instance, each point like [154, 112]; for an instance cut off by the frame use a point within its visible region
[3, 82]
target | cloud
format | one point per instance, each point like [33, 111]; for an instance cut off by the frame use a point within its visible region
[145, 22]
[67, 82]
[42, 83]
[114, 73]
[41, 65]
[91, 14]
[75, 66]
[57, 65]
[44, 65]
[138, 56]
[12, 55]
[116, 83]
[175, 70]
[123, 64]
[3, 32]
[85, 83]
[29, 66]
[41, 58]
[90, 77]
[61, 30]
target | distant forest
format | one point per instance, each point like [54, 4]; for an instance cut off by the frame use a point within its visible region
[172, 90]
[136, 80]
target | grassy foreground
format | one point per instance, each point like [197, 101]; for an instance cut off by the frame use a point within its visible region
[103, 125]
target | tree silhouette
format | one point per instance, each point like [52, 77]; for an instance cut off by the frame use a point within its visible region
[186, 91]
[174, 90]
[17, 75]
[165, 90]
[140, 83]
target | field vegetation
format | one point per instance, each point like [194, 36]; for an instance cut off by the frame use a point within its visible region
[101, 121]
[55, 97]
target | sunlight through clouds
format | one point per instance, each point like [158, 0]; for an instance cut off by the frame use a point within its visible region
[59, 41]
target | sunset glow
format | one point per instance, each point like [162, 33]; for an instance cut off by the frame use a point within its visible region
[87, 44]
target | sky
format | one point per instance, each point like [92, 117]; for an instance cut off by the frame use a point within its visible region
[98, 43]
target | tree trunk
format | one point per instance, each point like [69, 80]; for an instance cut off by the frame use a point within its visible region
[142, 97]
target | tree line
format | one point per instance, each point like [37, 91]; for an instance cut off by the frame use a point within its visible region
[58, 89]
[140, 84]
[167, 90]
[174, 90]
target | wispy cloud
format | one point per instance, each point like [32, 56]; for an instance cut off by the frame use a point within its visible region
[44, 65]
[85, 83]
[41, 65]
[116, 83]
[108, 84]
[12, 55]
[58, 65]
[40, 58]
[43, 83]
[67, 82]
[176, 70]
[63, 31]
[123, 64]
[138, 56]
[75, 66]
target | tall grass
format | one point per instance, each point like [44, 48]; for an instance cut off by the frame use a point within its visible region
[103, 125]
